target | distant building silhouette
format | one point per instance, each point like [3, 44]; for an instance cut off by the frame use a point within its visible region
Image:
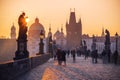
[34, 37]
[49, 33]
[74, 31]
[60, 39]
[13, 32]
[7, 49]
[100, 42]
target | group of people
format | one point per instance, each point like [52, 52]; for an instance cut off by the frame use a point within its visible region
[107, 56]
[61, 55]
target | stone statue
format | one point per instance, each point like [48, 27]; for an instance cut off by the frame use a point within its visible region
[22, 39]
[107, 37]
[85, 46]
[22, 26]
[107, 45]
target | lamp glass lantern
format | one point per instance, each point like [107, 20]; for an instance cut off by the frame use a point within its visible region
[41, 35]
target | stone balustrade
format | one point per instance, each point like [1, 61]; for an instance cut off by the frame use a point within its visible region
[12, 69]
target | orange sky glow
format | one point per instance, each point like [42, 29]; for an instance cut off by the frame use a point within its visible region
[94, 14]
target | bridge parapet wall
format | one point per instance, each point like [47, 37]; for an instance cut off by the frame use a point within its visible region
[12, 69]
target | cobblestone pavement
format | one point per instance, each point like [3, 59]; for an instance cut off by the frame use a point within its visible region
[80, 70]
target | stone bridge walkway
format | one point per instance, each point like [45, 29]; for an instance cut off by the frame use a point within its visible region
[81, 70]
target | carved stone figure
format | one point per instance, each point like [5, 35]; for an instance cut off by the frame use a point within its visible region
[22, 39]
[22, 27]
[107, 37]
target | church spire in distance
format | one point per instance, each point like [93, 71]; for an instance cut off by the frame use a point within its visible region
[102, 32]
[61, 27]
[13, 32]
[49, 27]
[49, 33]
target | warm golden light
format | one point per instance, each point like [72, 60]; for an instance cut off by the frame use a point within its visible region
[27, 19]
[94, 14]
[41, 36]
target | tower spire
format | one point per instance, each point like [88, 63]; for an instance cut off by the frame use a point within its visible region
[72, 18]
[13, 32]
[49, 27]
[49, 33]
[61, 27]
[102, 32]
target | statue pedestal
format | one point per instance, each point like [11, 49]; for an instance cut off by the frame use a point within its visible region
[21, 50]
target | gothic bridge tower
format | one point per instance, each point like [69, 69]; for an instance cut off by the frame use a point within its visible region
[74, 31]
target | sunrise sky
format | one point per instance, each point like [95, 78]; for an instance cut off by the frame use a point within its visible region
[94, 14]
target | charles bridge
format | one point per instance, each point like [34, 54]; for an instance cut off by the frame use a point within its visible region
[22, 63]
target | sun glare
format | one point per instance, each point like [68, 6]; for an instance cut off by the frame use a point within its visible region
[27, 19]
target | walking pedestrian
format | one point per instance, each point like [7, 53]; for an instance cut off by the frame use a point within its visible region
[73, 55]
[115, 56]
[94, 56]
[59, 56]
[63, 57]
[68, 53]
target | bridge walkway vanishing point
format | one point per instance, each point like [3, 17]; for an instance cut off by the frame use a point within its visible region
[80, 70]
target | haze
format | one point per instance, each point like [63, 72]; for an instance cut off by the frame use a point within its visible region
[94, 14]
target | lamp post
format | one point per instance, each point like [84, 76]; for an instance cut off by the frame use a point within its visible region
[93, 43]
[41, 48]
[116, 37]
[50, 46]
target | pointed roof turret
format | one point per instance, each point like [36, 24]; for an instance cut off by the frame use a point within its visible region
[72, 17]
[49, 33]
[50, 28]
[13, 27]
[62, 28]
[36, 20]
[13, 32]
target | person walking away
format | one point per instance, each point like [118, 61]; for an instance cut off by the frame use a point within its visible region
[73, 55]
[68, 53]
[92, 56]
[64, 57]
[115, 57]
[59, 56]
[96, 56]
[86, 54]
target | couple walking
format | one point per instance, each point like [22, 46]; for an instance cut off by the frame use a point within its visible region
[61, 56]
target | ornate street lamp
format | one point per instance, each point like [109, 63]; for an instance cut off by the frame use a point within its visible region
[116, 37]
[41, 44]
[41, 48]
[50, 46]
[93, 43]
